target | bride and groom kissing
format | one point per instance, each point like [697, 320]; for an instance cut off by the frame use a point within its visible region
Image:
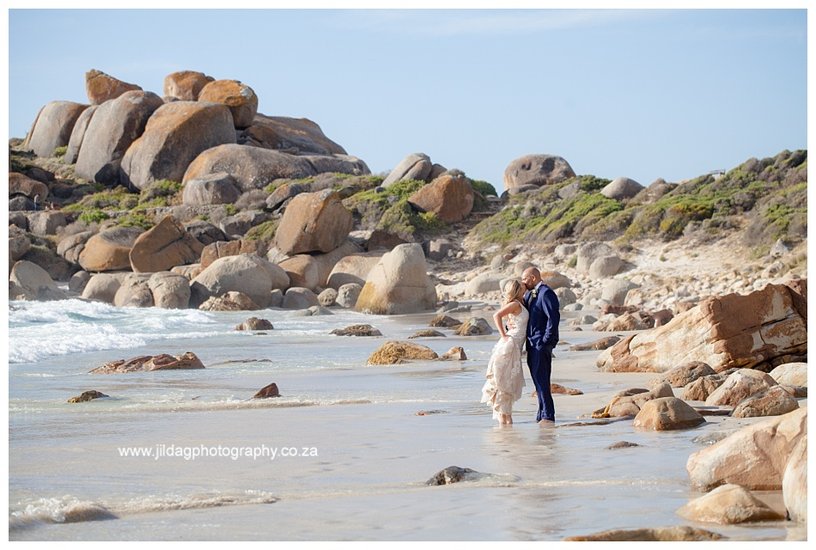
[531, 311]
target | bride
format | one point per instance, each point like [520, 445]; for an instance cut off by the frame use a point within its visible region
[505, 379]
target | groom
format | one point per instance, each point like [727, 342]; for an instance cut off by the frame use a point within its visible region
[542, 336]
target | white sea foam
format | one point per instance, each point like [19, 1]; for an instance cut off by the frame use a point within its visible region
[66, 509]
[69, 509]
[38, 330]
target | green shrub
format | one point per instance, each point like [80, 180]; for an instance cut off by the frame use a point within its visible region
[118, 198]
[483, 187]
[136, 218]
[93, 216]
[161, 193]
[264, 232]
[59, 152]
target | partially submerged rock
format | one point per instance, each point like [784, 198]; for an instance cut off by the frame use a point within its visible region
[667, 413]
[728, 504]
[394, 353]
[148, 363]
[357, 330]
[267, 392]
[255, 323]
[87, 396]
[675, 533]
[456, 353]
[454, 474]
[475, 326]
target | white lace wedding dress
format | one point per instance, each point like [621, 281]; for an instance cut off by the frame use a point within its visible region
[505, 378]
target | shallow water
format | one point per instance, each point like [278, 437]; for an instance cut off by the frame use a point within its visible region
[363, 452]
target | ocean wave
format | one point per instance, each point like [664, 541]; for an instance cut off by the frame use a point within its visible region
[68, 509]
[39, 330]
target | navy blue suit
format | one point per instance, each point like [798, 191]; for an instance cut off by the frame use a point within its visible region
[542, 336]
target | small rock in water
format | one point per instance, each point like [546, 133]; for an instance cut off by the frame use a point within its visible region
[87, 396]
[427, 333]
[267, 391]
[444, 321]
[254, 323]
[454, 474]
[622, 445]
[475, 326]
[432, 411]
[456, 353]
[357, 330]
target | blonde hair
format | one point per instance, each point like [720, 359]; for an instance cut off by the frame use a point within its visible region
[511, 290]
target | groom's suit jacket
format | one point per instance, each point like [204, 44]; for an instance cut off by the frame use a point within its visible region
[542, 328]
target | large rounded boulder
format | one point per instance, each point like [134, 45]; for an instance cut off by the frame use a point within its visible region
[538, 170]
[174, 136]
[109, 250]
[185, 85]
[313, 222]
[102, 87]
[53, 127]
[449, 197]
[240, 98]
[399, 283]
[116, 124]
[621, 189]
[245, 273]
[218, 188]
[295, 135]
[20, 184]
[170, 290]
[251, 167]
[78, 135]
[755, 457]
[28, 281]
[164, 246]
[416, 166]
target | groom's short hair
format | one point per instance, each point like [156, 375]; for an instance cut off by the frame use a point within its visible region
[532, 271]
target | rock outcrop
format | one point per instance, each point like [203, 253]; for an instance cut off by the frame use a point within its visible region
[761, 328]
[755, 456]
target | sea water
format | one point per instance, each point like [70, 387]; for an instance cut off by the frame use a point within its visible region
[342, 454]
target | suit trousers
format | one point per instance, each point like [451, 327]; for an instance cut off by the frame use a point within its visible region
[540, 363]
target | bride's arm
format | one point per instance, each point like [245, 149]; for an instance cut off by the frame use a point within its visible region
[512, 307]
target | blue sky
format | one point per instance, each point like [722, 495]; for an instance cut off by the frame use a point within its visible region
[637, 93]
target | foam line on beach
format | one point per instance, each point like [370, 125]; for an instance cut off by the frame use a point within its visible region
[68, 509]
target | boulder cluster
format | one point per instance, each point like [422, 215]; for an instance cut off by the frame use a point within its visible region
[256, 216]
